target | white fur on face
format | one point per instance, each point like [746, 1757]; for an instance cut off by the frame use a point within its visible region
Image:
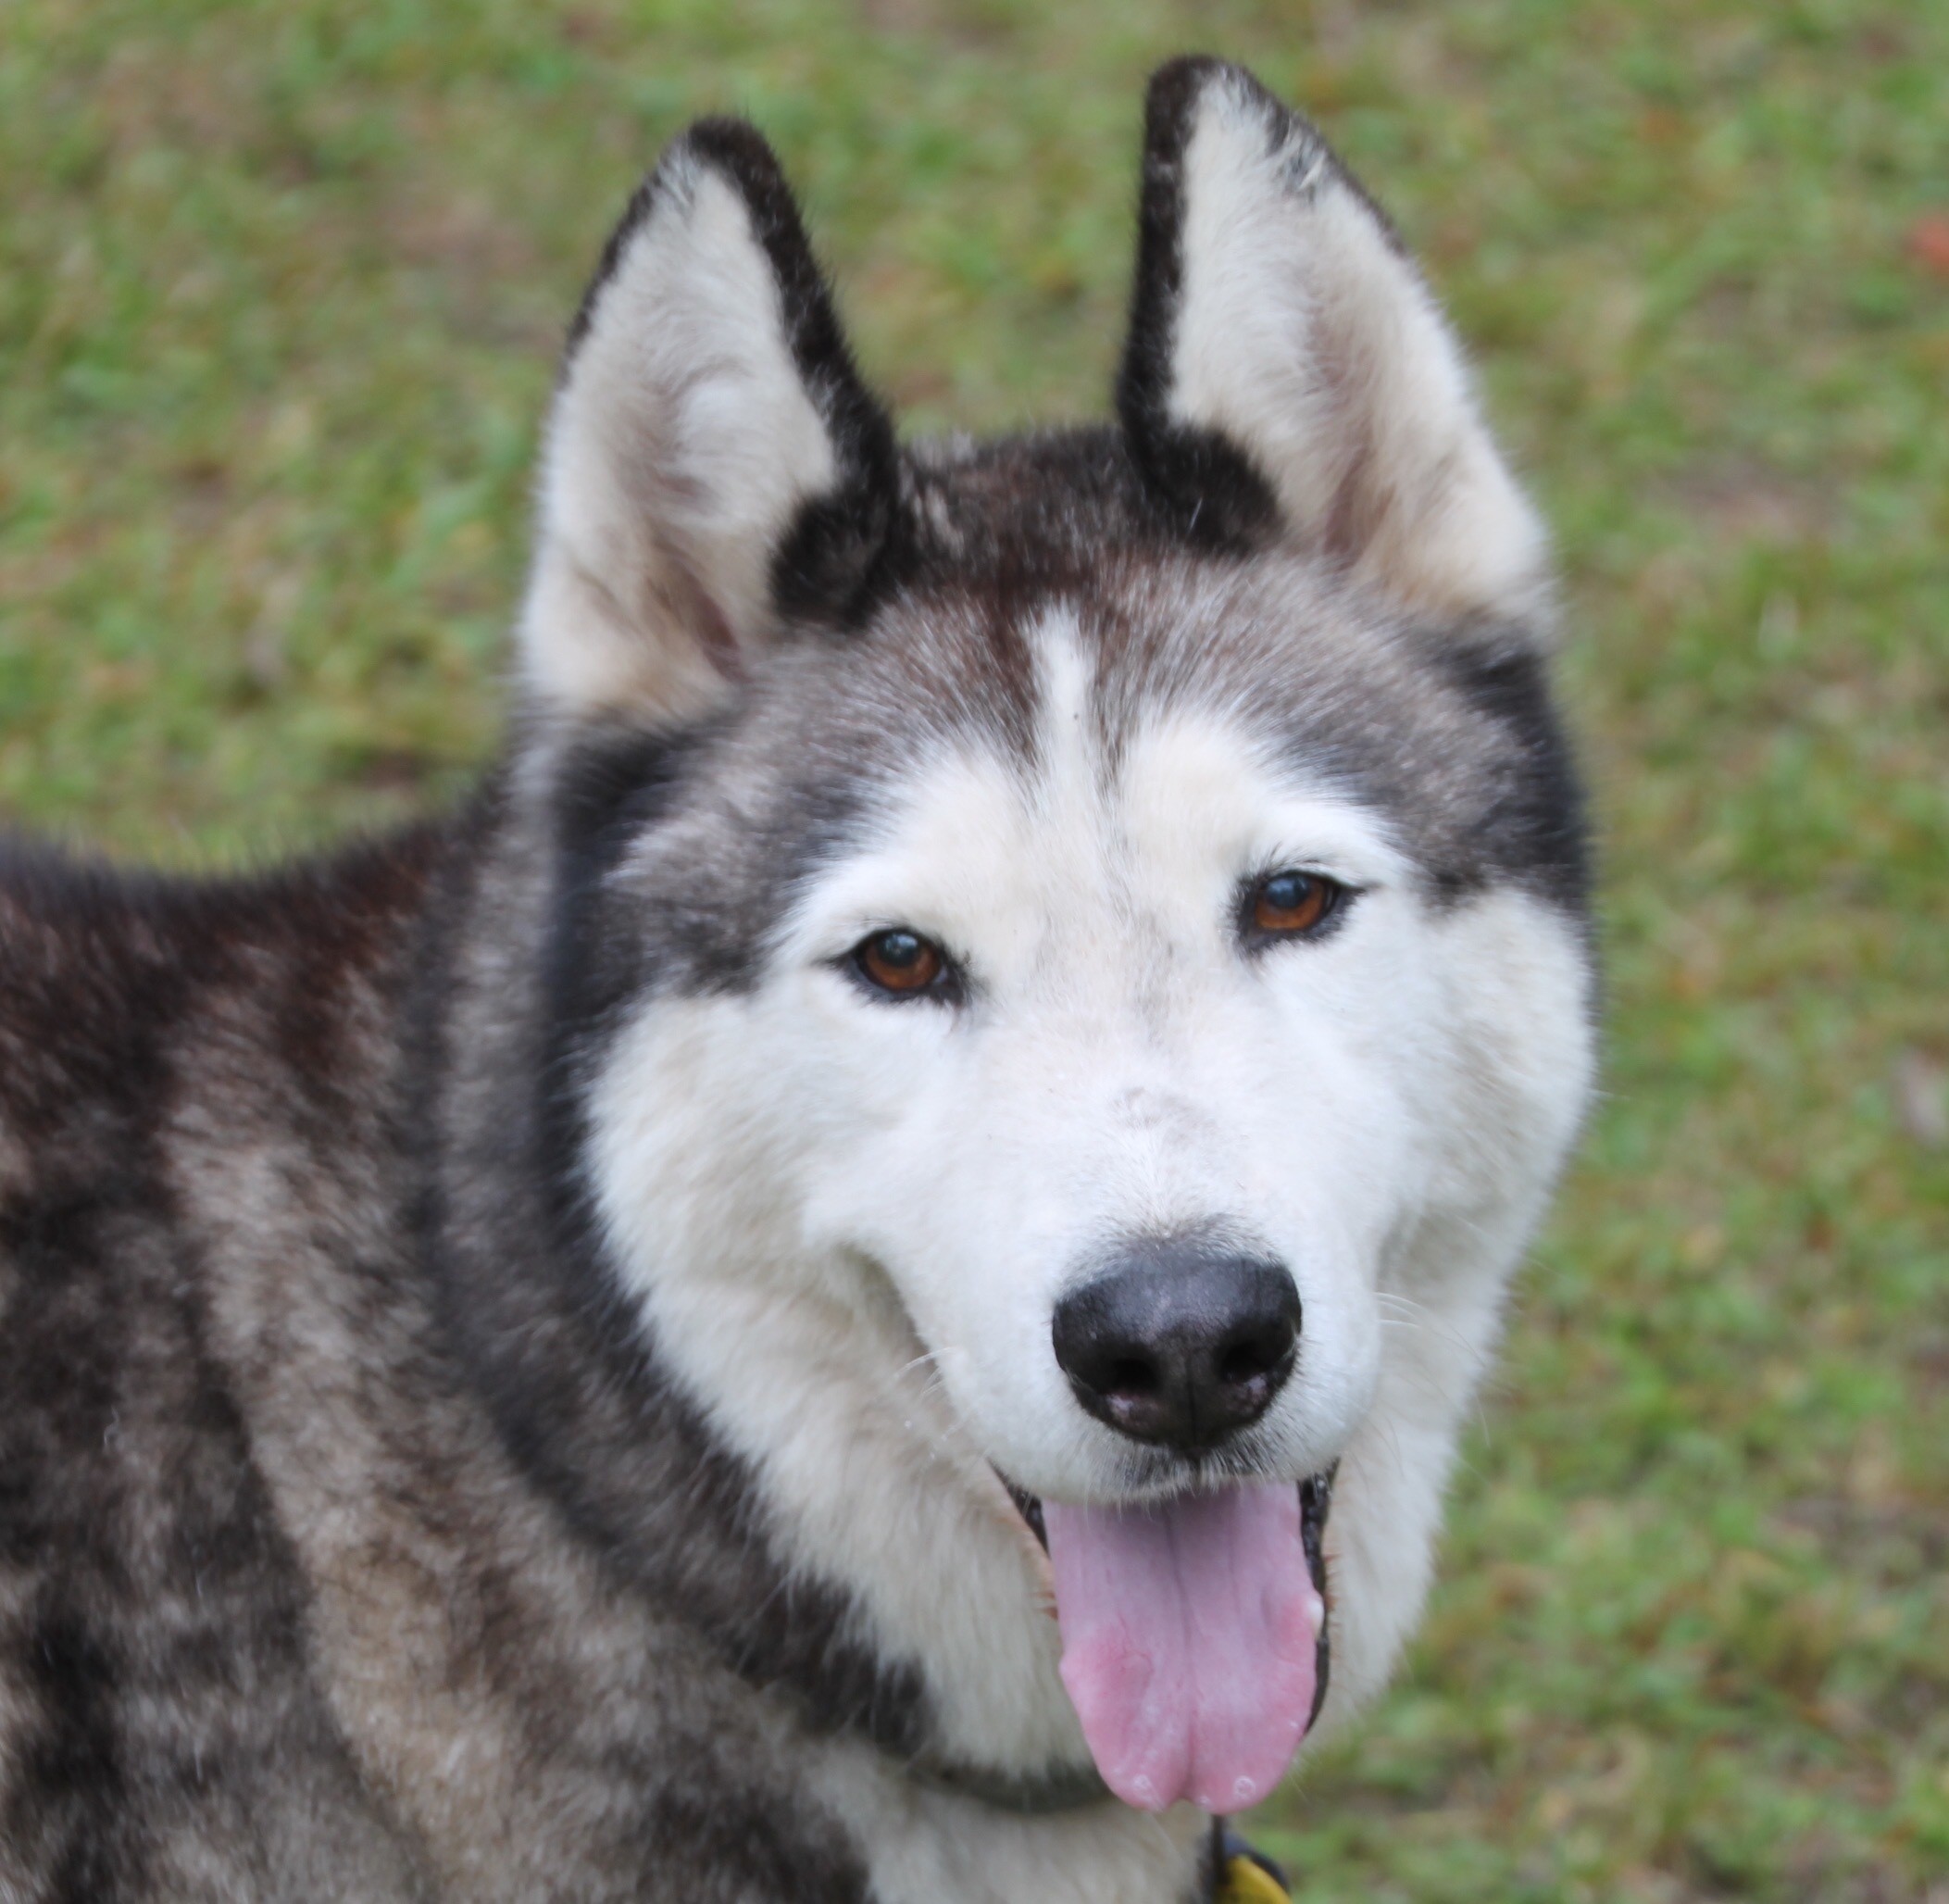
[849, 1220]
[1112, 1075]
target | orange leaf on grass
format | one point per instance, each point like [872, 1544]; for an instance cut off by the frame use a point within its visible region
[1929, 242]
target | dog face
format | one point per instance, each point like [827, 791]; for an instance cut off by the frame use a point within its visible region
[1095, 1092]
[1076, 943]
[1109, 1041]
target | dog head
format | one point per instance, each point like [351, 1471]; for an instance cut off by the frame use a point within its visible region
[1084, 932]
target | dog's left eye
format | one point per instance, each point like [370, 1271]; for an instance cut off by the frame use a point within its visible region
[1291, 905]
[901, 963]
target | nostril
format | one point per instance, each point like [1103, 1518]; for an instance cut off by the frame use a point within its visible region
[1131, 1376]
[1252, 1353]
[1251, 1361]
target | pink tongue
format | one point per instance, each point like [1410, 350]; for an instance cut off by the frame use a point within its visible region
[1188, 1633]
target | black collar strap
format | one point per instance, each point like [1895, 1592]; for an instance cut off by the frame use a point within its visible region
[1241, 1873]
[1027, 1798]
[1236, 1871]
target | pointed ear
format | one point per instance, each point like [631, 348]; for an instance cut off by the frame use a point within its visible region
[1288, 369]
[715, 466]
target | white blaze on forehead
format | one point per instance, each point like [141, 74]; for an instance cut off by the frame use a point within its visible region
[1195, 779]
[1067, 756]
[1105, 850]
[994, 855]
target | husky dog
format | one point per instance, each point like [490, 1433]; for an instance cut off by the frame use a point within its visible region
[773, 1310]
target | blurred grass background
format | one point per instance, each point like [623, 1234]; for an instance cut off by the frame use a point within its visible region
[281, 287]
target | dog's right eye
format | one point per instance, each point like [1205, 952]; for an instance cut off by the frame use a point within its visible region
[901, 963]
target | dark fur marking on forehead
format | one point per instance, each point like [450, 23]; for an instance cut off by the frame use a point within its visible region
[1447, 732]
[1042, 512]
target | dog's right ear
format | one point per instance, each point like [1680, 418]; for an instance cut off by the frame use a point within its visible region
[715, 465]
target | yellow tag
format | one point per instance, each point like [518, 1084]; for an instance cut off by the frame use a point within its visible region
[1247, 1883]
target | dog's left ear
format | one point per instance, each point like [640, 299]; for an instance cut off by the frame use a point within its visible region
[1289, 372]
[715, 469]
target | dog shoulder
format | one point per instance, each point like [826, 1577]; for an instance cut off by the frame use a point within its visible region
[144, 1577]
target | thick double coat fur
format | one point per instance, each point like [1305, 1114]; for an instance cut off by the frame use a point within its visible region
[523, 1375]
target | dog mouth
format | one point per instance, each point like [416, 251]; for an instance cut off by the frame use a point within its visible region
[1195, 1633]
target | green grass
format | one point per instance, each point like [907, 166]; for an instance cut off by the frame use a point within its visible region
[280, 287]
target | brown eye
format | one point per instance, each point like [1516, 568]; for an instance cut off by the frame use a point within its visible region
[1286, 904]
[899, 962]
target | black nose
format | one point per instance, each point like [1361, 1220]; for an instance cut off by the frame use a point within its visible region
[1179, 1342]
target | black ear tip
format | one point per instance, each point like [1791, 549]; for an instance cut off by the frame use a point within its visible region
[1178, 85]
[1171, 97]
[1187, 73]
[740, 155]
[735, 147]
